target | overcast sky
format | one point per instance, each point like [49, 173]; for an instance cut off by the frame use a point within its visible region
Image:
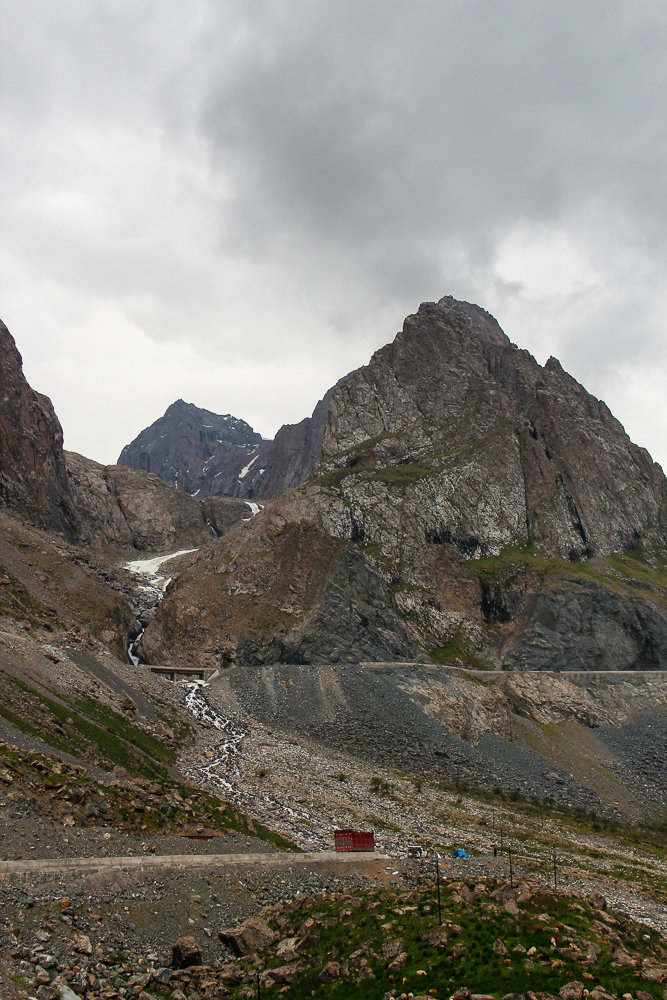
[236, 201]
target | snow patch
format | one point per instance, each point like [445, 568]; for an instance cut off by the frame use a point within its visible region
[246, 469]
[150, 567]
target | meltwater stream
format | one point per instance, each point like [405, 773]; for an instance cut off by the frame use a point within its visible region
[152, 590]
[221, 770]
[223, 755]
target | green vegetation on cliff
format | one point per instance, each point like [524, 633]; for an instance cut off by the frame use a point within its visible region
[627, 574]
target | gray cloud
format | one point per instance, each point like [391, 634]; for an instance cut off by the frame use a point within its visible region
[273, 187]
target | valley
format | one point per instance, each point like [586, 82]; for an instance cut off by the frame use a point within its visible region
[417, 612]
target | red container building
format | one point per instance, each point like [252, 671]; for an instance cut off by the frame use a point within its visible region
[354, 840]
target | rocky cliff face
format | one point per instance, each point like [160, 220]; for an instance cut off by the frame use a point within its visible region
[484, 496]
[491, 448]
[131, 509]
[33, 477]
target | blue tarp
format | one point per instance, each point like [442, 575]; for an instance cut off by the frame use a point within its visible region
[460, 853]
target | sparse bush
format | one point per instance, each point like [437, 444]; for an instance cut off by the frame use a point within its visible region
[379, 786]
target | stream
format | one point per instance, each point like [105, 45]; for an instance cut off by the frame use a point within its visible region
[218, 766]
[150, 592]
[228, 745]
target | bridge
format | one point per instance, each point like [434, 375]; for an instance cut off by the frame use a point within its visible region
[185, 673]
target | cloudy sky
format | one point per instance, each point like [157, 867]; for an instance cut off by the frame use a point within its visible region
[236, 201]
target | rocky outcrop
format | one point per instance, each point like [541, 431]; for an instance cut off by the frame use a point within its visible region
[33, 477]
[579, 625]
[354, 619]
[130, 509]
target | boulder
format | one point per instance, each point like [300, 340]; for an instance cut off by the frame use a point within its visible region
[286, 949]
[435, 936]
[391, 948]
[82, 944]
[185, 952]
[282, 974]
[572, 991]
[330, 973]
[251, 936]
[398, 962]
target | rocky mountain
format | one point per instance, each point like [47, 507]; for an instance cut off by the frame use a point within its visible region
[206, 454]
[468, 504]
[459, 503]
[197, 451]
[493, 449]
[110, 772]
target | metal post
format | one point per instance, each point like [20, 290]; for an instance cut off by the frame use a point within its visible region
[555, 872]
[501, 839]
[437, 877]
[258, 977]
[509, 851]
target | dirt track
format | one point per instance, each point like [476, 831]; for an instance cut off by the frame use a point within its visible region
[182, 861]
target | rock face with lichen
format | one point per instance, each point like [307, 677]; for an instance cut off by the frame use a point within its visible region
[492, 449]
[466, 505]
